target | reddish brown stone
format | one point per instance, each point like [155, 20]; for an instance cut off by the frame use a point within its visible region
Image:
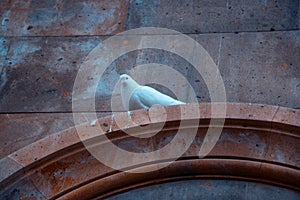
[19, 130]
[285, 116]
[60, 167]
[43, 18]
[284, 148]
[59, 176]
[45, 147]
[41, 71]
[250, 111]
[253, 63]
[241, 143]
[215, 16]
[23, 190]
[42, 154]
[8, 168]
[258, 115]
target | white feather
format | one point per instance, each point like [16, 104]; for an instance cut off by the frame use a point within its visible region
[135, 96]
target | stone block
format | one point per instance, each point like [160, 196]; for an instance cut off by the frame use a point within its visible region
[42, 71]
[214, 16]
[62, 18]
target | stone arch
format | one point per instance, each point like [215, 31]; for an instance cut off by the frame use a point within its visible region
[259, 143]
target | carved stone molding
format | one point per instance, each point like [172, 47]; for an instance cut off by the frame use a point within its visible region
[258, 143]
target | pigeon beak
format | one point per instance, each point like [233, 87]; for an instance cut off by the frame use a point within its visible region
[123, 75]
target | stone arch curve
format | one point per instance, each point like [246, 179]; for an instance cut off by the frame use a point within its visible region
[259, 143]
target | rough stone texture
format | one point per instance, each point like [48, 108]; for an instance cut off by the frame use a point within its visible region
[287, 115]
[215, 16]
[59, 163]
[208, 189]
[299, 17]
[43, 70]
[45, 147]
[20, 130]
[254, 190]
[23, 190]
[262, 68]
[55, 178]
[4, 43]
[253, 111]
[8, 168]
[37, 73]
[277, 152]
[58, 18]
[246, 61]
[242, 143]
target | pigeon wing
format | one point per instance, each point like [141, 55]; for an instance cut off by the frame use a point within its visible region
[145, 97]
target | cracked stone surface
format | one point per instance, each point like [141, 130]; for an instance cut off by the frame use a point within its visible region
[255, 44]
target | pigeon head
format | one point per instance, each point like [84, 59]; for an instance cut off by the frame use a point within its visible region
[127, 81]
[124, 78]
[127, 86]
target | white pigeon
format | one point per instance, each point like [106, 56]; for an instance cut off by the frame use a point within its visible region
[135, 96]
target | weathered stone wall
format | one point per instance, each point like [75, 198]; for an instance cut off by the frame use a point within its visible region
[255, 43]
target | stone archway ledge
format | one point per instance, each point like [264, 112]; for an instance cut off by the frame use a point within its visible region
[268, 136]
[244, 170]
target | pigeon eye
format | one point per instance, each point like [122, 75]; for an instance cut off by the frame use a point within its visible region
[126, 78]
